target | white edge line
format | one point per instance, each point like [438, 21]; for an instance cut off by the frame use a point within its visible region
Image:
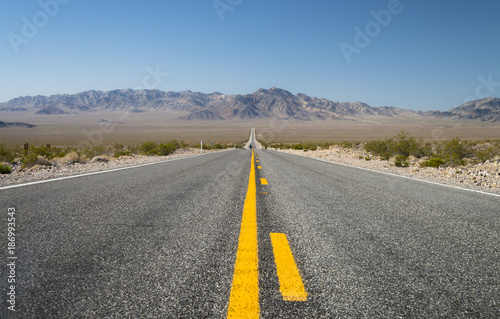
[102, 172]
[396, 175]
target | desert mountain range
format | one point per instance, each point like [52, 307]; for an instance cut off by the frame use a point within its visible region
[271, 103]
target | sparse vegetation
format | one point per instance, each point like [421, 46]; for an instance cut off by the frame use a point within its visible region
[241, 144]
[149, 148]
[218, 146]
[5, 169]
[121, 153]
[346, 144]
[380, 148]
[455, 151]
[449, 153]
[402, 150]
[403, 147]
[93, 151]
[159, 149]
[46, 155]
[401, 161]
[433, 162]
[6, 154]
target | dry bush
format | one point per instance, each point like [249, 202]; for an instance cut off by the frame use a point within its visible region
[69, 158]
[41, 160]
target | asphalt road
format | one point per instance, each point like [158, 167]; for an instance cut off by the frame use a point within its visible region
[160, 241]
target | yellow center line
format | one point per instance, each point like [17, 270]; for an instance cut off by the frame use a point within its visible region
[244, 298]
[291, 286]
[263, 181]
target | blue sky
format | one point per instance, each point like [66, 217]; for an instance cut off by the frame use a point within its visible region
[417, 54]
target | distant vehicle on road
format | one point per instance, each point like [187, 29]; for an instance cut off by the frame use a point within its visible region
[250, 146]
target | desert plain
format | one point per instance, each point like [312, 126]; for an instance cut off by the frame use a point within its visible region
[131, 128]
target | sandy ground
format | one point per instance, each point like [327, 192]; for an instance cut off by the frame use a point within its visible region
[135, 128]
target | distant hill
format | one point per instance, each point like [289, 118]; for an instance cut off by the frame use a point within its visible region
[51, 110]
[487, 109]
[16, 124]
[264, 103]
[202, 115]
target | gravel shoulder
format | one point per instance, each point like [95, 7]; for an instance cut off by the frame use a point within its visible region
[483, 177]
[100, 163]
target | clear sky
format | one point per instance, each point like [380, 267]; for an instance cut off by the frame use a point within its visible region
[420, 54]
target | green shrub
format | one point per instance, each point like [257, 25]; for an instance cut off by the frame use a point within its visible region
[403, 144]
[198, 146]
[5, 169]
[41, 150]
[6, 155]
[122, 153]
[401, 161]
[485, 154]
[165, 149]
[346, 145]
[218, 146]
[118, 147]
[149, 148]
[96, 150]
[58, 152]
[29, 160]
[455, 151]
[425, 149]
[433, 162]
[264, 144]
[380, 148]
[324, 146]
[407, 145]
[134, 149]
[298, 147]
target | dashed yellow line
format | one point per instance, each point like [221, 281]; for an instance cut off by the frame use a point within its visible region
[259, 167]
[291, 286]
[263, 181]
[244, 298]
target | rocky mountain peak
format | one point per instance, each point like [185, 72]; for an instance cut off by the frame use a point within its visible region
[263, 103]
